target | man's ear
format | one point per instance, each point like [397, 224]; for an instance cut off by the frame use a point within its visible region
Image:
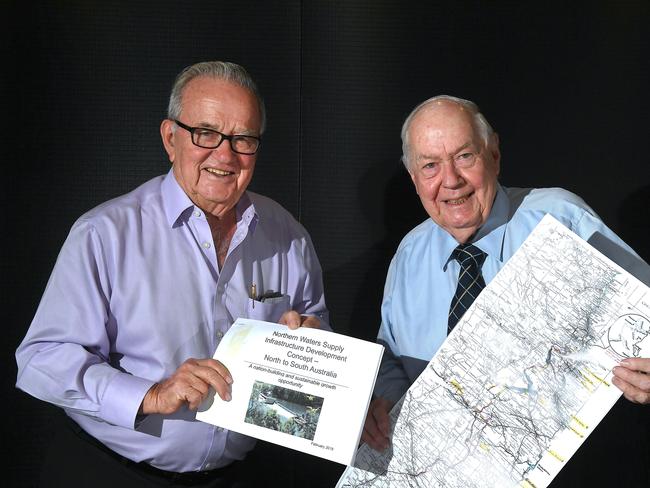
[167, 134]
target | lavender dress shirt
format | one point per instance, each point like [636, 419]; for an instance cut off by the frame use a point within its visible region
[136, 291]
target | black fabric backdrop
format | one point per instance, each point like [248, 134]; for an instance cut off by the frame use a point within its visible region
[85, 86]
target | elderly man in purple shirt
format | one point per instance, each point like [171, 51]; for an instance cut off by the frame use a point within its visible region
[146, 285]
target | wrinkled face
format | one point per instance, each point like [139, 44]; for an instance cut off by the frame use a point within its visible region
[214, 179]
[454, 172]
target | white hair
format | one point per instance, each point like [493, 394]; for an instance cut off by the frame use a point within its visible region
[221, 70]
[481, 124]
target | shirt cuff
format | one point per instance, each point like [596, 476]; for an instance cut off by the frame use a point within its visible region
[123, 398]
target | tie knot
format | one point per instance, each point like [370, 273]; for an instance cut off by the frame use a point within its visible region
[468, 254]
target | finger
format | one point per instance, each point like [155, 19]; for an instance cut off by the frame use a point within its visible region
[291, 319]
[194, 397]
[376, 435]
[216, 375]
[637, 396]
[635, 378]
[368, 439]
[637, 364]
[186, 386]
[379, 410]
[201, 374]
[630, 392]
[217, 366]
[382, 420]
[310, 322]
[198, 388]
[209, 370]
[373, 437]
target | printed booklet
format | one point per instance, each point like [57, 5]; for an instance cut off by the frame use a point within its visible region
[307, 389]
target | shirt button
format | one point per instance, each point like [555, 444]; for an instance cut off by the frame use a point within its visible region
[206, 245]
[219, 334]
[219, 429]
[208, 465]
[197, 214]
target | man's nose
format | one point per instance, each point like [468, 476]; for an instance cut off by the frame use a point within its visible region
[451, 177]
[224, 151]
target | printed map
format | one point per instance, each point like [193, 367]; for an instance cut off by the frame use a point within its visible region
[523, 378]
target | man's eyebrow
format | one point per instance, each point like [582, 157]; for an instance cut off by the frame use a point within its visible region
[242, 132]
[437, 158]
[207, 125]
[464, 146]
[427, 157]
[247, 132]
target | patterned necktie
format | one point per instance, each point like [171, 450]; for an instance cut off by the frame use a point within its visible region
[470, 281]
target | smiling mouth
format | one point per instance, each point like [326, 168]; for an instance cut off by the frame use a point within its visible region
[219, 172]
[458, 201]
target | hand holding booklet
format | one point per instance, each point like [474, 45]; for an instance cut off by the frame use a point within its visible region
[307, 389]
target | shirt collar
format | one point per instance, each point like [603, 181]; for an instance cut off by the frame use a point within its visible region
[489, 237]
[246, 213]
[178, 205]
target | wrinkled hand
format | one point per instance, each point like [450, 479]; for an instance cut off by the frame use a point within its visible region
[632, 377]
[189, 385]
[376, 431]
[293, 320]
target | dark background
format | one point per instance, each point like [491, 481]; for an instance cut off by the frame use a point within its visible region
[84, 87]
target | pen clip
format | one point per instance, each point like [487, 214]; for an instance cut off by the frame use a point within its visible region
[253, 293]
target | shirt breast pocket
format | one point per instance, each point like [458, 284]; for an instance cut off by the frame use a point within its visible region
[270, 310]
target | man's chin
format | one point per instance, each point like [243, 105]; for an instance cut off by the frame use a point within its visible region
[461, 220]
[460, 229]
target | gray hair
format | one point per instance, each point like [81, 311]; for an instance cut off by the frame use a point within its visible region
[221, 70]
[481, 124]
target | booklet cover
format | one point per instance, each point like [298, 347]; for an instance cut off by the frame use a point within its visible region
[307, 389]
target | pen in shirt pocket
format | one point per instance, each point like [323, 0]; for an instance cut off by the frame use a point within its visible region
[253, 292]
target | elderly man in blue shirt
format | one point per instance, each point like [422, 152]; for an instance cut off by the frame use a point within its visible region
[452, 155]
[147, 284]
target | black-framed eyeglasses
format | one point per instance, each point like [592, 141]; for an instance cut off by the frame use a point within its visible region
[212, 139]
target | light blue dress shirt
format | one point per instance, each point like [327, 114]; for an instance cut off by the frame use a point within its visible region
[136, 291]
[422, 279]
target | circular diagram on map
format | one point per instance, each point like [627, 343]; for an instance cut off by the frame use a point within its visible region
[627, 333]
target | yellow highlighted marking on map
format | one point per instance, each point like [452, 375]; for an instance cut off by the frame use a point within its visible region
[586, 378]
[587, 386]
[484, 446]
[456, 385]
[580, 422]
[576, 432]
[556, 455]
[526, 483]
[598, 378]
